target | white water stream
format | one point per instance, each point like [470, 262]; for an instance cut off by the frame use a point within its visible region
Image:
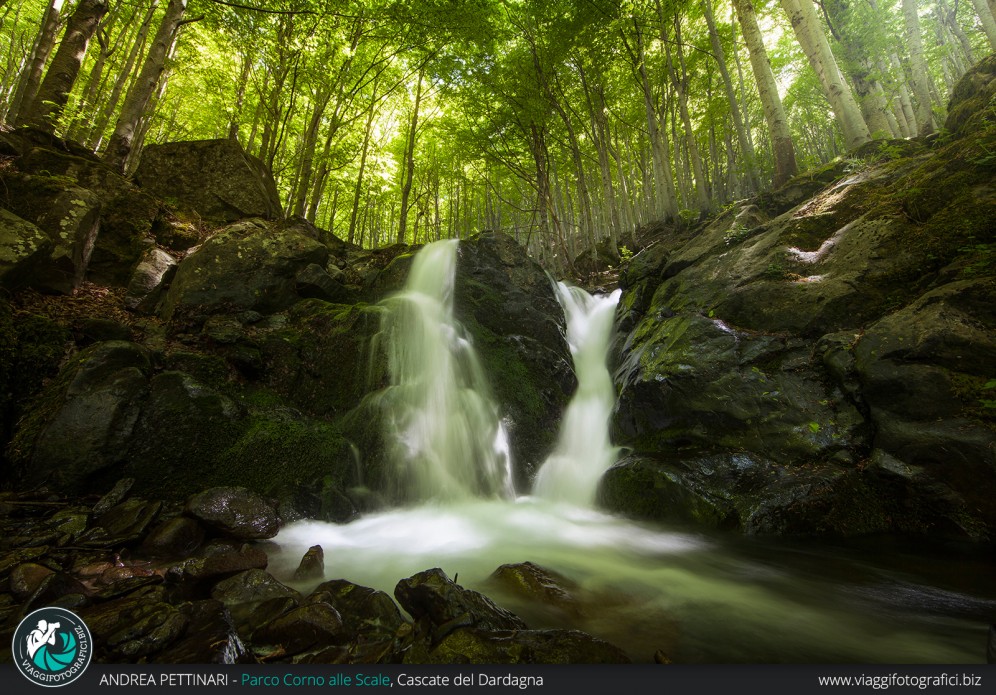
[700, 599]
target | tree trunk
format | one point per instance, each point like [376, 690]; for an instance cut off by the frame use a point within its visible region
[814, 43]
[96, 133]
[30, 79]
[137, 100]
[48, 104]
[681, 85]
[918, 67]
[665, 203]
[409, 172]
[746, 147]
[774, 114]
[359, 176]
[986, 17]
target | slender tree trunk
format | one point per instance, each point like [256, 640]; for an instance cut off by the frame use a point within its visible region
[308, 151]
[409, 173]
[986, 18]
[96, 133]
[359, 176]
[681, 85]
[30, 79]
[746, 147]
[137, 100]
[61, 75]
[774, 114]
[665, 199]
[918, 67]
[240, 96]
[814, 43]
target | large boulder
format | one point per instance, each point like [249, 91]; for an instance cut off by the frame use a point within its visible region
[23, 250]
[215, 179]
[817, 369]
[83, 421]
[248, 266]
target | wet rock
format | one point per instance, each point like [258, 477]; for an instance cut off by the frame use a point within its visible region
[312, 564]
[83, 421]
[215, 179]
[69, 524]
[149, 280]
[234, 511]
[247, 266]
[23, 249]
[477, 646]
[10, 560]
[540, 585]
[173, 538]
[506, 303]
[58, 588]
[225, 559]
[750, 493]
[251, 586]
[365, 612]
[660, 657]
[26, 578]
[114, 497]
[123, 524]
[305, 627]
[135, 626]
[440, 606]
[210, 637]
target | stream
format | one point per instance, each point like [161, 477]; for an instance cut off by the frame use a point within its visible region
[698, 597]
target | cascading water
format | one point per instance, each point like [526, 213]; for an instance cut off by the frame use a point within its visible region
[583, 451]
[698, 599]
[442, 429]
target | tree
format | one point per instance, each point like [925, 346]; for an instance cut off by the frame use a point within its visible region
[814, 43]
[119, 147]
[781, 136]
[47, 106]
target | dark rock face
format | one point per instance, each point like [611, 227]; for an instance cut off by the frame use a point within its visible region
[234, 511]
[821, 368]
[216, 179]
[23, 249]
[248, 266]
[439, 605]
[506, 303]
[98, 223]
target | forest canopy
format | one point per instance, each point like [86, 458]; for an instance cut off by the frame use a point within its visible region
[561, 122]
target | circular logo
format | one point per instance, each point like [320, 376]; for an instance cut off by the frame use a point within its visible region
[52, 647]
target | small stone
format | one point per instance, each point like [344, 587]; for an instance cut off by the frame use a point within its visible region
[310, 625]
[226, 560]
[26, 578]
[235, 511]
[177, 537]
[225, 330]
[114, 497]
[661, 658]
[312, 564]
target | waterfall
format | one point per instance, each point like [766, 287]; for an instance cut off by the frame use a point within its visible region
[583, 452]
[443, 432]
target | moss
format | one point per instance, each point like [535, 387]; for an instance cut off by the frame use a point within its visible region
[208, 369]
[277, 451]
